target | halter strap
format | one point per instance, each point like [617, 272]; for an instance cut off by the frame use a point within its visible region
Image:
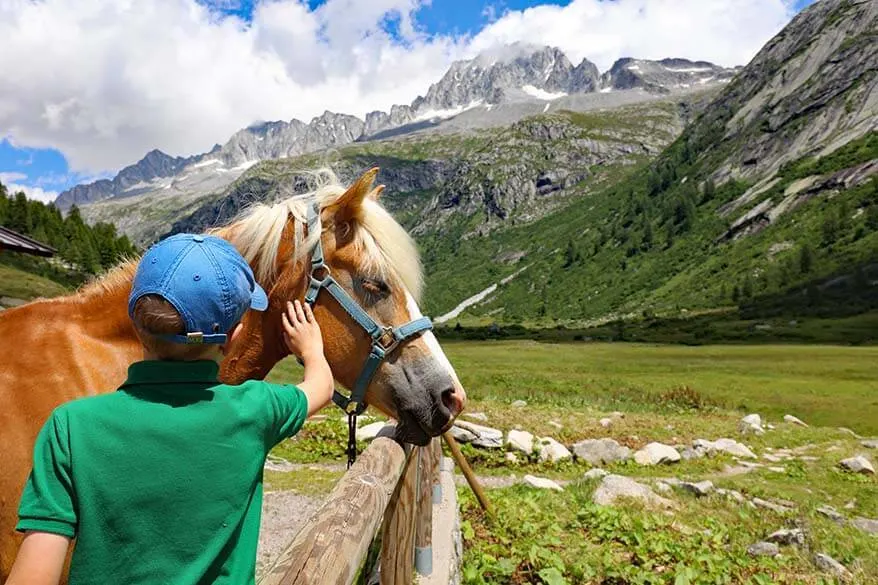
[385, 339]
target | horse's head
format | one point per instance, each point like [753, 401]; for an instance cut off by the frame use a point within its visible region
[375, 262]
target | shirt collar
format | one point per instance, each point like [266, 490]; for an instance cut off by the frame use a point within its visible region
[172, 372]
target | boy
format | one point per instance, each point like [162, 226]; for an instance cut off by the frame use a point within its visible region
[161, 481]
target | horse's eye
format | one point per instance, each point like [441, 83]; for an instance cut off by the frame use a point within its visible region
[375, 287]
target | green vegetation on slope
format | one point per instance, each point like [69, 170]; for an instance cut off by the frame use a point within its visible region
[18, 284]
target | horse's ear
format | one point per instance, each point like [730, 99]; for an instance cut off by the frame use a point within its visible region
[375, 193]
[349, 206]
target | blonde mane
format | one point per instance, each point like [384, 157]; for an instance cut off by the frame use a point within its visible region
[387, 248]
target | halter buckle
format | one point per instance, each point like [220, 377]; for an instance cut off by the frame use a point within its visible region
[387, 340]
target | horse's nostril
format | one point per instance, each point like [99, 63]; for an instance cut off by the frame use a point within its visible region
[450, 401]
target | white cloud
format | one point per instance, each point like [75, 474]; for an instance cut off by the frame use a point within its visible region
[37, 193]
[104, 81]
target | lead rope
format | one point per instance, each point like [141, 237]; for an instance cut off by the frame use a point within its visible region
[352, 439]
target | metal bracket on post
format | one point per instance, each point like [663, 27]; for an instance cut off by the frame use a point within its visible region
[424, 560]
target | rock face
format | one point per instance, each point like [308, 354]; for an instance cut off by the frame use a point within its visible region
[614, 488]
[660, 76]
[656, 453]
[601, 451]
[858, 464]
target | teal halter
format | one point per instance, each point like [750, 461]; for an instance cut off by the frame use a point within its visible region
[385, 339]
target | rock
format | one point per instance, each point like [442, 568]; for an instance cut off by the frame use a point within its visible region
[795, 536]
[850, 505]
[273, 463]
[867, 525]
[521, 441]
[870, 443]
[601, 451]
[615, 487]
[700, 489]
[511, 458]
[777, 469]
[486, 437]
[731, 494]
[858, 464]
[688, 453]
[847, 431]
[771, 506]
[829, 565]
[462, 435]
[555, 424]
[730, 446]
[370, 431]
[596, 473]
[763, 549]
[519, 404]
[655, 453]
[605, 422]
[831, 513]
[663, 487]
[552, 450]
[752, 423]
[773, 458]
[542, 483]
[480, 416]
[617, 414]
[769, 427]
[793, 420]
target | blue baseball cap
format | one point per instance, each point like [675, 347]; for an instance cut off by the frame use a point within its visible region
[205, 279]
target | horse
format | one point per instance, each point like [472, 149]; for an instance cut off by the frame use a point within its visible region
[65, 348]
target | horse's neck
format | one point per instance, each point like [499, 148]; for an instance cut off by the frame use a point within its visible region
[101, 309]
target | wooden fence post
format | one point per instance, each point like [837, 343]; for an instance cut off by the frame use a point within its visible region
[436, 446]
[424, 532]
[398, 537]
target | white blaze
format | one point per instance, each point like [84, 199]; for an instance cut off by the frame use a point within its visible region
[429, 338]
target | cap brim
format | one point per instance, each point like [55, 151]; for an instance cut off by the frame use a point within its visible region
[258, 298]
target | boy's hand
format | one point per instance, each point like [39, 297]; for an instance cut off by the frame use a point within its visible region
[301, 331]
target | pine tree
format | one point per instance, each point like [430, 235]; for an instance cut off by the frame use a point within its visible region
[806, 259]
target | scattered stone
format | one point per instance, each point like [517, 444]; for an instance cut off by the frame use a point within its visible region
[870, 443]
[542, 483]
[828, 564]
[617, 414]
[601, 451]
[858, 464]
[486, 437]
[777, 469]
[480, 416]
[511, 457]
[615, 487]
[792, 536]
[519, 404]
[552, 450]
[770, 427]
[752, 423]
[700, 489]
[730, 446]
[867, 525]
[750, 465]
[831, 513]
[731, 494]
[370, 431]
[847, 431]
[793, 420]
[655, 453]
[605, 422]
[462, 435]
[596, 473]
[273, 463]
[556, 425]
[773, 458]
[521, 441]
[850, 505]
[663, 487]
[809, 458]
[688, 453]
[771, 506]
[763, 549]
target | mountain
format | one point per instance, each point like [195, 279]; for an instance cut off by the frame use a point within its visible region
[661, 76]
[497, 88]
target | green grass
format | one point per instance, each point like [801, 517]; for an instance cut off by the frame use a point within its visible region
[18, 284]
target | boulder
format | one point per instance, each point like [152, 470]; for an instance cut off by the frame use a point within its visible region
[542, 483]
[867, 525]
[831, 513]
[788, 536]
[521, 441]
[731, 494]
[778, 508]
[730, 446]
[601, 451]
[616, 487]
[511, 457]
[828, 564]
[847, 431]
[370, 431]
[699, 489]
[552, 450]
[793, 420]
[479, 416]
[763, 549]
[605, 422]
[870, 443]
[751, 424]
[688, 453]
[596, 473]
[486, 437]
[617, 414]
[655, 453]
[519, 404]
[858, 464]
[462, 435]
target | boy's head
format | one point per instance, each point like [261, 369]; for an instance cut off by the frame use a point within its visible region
[189, 294]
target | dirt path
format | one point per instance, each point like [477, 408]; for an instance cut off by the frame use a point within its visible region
[283, 514]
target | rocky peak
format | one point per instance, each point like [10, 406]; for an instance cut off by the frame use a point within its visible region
[664, 75]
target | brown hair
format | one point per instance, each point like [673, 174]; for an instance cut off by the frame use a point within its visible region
[154, 316]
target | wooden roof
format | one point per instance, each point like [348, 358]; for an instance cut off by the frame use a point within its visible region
[15, 242]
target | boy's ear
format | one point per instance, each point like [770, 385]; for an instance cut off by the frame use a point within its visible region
[232, 336]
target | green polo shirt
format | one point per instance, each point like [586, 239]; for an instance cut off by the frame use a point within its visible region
[160, 481]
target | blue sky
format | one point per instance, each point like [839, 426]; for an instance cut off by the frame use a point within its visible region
[74, 116]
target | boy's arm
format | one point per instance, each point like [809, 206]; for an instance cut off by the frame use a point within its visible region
[40, 559]
[303, 337]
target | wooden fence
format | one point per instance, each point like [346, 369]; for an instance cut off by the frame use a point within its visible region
[381, 510]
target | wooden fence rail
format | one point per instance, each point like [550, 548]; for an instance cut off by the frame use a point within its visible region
[390, 486]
